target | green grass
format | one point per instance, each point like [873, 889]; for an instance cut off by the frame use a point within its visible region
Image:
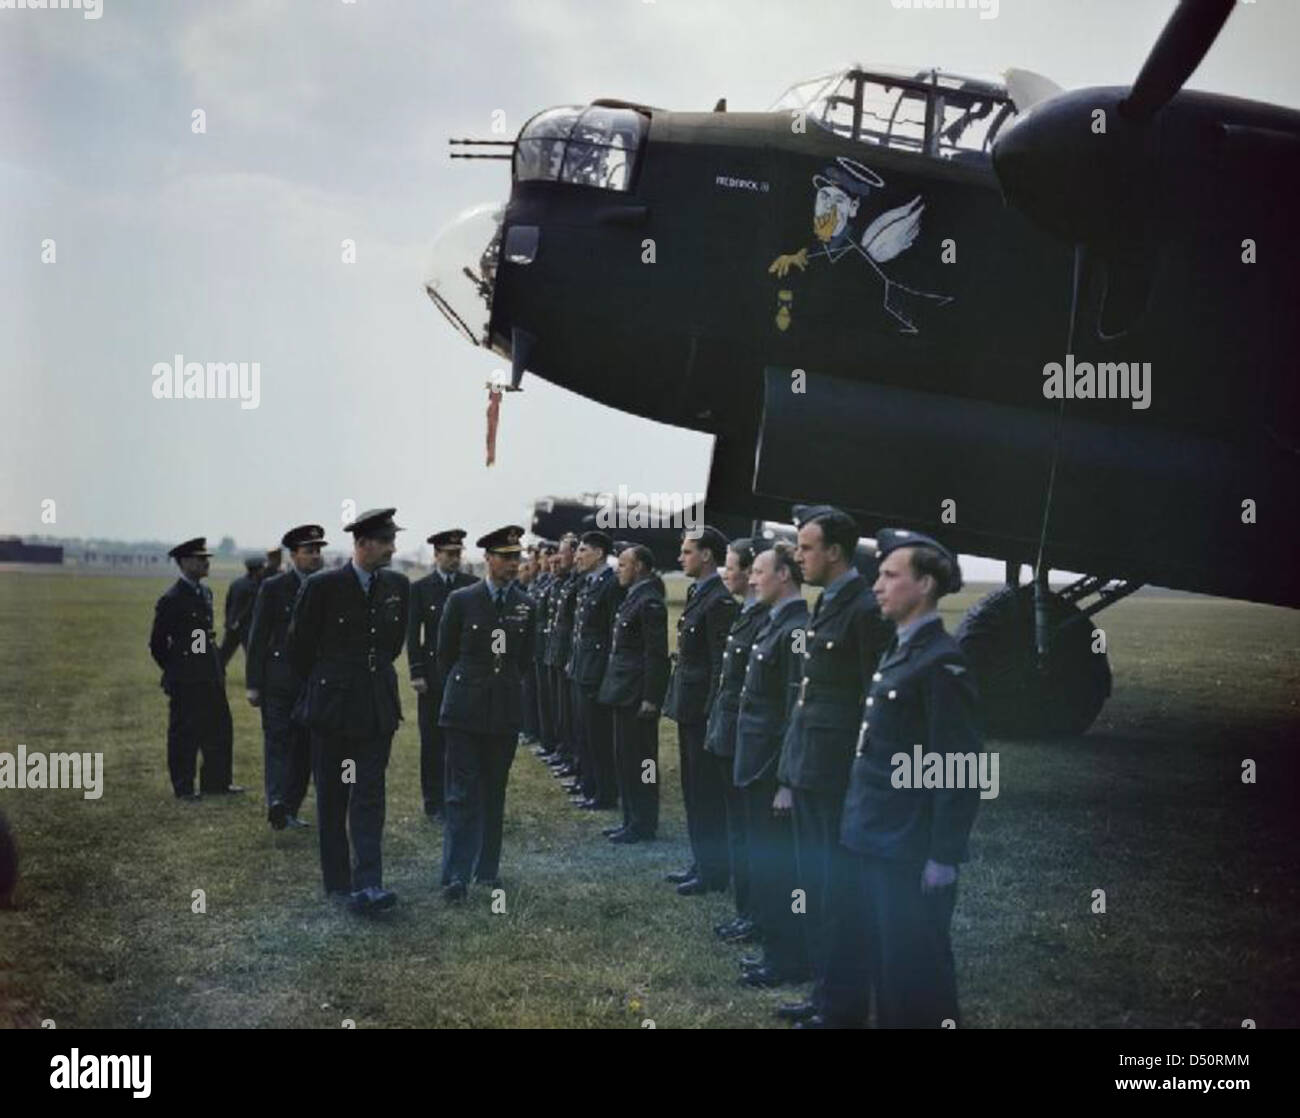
[1199, 870]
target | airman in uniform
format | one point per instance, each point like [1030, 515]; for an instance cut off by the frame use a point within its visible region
[767, 699]
[564, 593]
[891, 928]
[347, 629]
[720, 738]
[428, 600]
[528, 729]
[633, 686]
[598, 596]
[484, 644]
[542, 625]
[845, 638]
[240, 596]
[701, 640]
[272, 683]
[183, 644]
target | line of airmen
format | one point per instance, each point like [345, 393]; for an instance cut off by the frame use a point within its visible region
[786, 724]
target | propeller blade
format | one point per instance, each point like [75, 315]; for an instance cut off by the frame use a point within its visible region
[1191, 30]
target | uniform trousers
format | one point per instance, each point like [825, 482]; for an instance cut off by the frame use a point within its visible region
[528, 715]
[598, 732]
[286, 752]
[350, 804]
[890, 938]
[706, 812]
[198, 723]
[562, 712]
[636, 740]
[542, 688]
[773, 879]
[821, 863]
[737, 834]
[580, 738]
[433, 752]
[478, 767]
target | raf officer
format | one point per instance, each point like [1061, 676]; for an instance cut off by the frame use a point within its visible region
[772, 676]
[183, 644]
[636, 678]
[563, 598]
[720, 739]
[845, 638]
[272, 683]
[346, 631]
[701, 640]
[528, 732]
[485, 642]
[891, 933]
[598, 597]
[428, 600]
[541, 627]
[240, 597]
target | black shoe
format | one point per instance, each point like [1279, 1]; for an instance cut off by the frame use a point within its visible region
[567, 770]
[556, 761]
[233, 789]
[752, 962]
[696, 887]
[573, 787]
[373, 899]
[762, 977]
[679, 877]
[796, 1011]
[816, 1021]
[277, 815]
[490, 882]
[188, 797]
[744, 932]
[456, 891]
[295, 822]
[339, 896]
[625, 838]
[594, 804]
[610, 832]
[731, 927]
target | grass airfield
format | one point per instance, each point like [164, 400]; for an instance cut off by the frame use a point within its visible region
[1202, 893]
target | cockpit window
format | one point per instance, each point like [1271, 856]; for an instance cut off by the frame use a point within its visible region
[593, 146]
[928, 113]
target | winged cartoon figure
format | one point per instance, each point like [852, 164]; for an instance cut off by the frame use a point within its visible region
[841, 190]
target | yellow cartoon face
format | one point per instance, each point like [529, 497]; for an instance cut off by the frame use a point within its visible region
[832, 212]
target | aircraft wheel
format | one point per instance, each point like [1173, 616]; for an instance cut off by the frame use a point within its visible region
[1018, 700]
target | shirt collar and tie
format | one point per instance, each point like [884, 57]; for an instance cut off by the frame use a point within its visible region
[696, 587]
[827, 596]
[908, 631]
[364, 577]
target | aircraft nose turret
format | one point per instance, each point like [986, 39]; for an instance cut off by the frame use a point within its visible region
[462, 275]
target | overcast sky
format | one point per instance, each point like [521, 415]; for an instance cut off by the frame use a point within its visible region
[329, 120]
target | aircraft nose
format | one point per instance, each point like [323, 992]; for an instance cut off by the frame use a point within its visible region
[462, 275]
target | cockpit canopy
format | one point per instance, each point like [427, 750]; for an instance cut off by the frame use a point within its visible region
[925, 112]
[586, 145]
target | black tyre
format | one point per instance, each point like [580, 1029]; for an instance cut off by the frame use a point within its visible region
[1019, 700]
